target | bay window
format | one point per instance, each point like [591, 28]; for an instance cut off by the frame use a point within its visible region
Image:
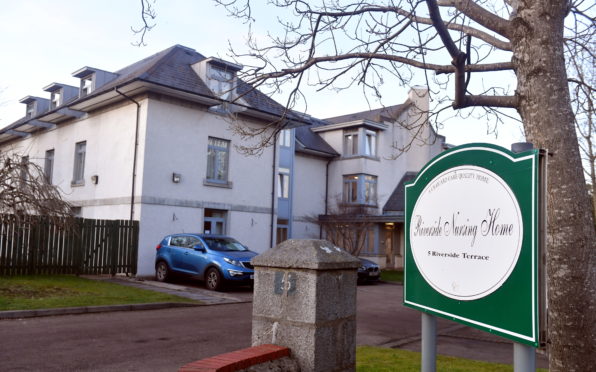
[360, 189]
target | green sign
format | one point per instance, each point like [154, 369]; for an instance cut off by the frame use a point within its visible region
[472, 240]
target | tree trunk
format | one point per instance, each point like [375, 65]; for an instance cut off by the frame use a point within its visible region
[545, 108]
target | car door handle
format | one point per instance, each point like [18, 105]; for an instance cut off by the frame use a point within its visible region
[186, 253]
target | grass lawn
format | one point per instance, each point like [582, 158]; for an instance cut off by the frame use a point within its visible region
[392, 275]
[54, 291]
[378, 359]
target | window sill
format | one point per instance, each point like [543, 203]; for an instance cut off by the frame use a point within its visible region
[77, 183]
[361, 205]
[349, 157]
[224, 185]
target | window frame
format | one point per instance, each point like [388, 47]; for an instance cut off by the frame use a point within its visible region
[212, 173]
[360, 142]
[283, 183]
[86, 89]
[285, 138]
[31, 109]
[282, 230]
[351, 142]
[24, 171]
[221, 81]
[48, 167]
[78, 173]
[360, 189]
[56, 98]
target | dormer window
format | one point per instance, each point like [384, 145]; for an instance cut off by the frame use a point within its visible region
[351, 142]
[56, 99]
[360, 142]
[86, 85]
[221, 82]
[30, 109]
[370, 143]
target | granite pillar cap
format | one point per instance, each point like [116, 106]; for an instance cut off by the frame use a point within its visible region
[307, 254]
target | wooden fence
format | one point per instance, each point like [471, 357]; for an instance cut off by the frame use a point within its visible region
[40, 246]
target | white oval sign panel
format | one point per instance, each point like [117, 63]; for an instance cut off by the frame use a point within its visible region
[466, 232]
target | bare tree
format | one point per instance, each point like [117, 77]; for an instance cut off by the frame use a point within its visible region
[580, 54]
[25, 191]
[343, 44]
[346, 225]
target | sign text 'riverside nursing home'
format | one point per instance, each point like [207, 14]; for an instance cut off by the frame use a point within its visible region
[472, 240]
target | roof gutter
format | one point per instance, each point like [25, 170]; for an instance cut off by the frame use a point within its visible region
[273, 178]
[136, 147]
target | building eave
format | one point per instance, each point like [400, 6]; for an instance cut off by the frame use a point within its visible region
[352, 124]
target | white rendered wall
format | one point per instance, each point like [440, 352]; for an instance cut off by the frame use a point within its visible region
[177, 142]
[109, 137]
[309, 195]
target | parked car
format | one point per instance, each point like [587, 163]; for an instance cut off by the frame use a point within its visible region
[368, 271]
[216, 259]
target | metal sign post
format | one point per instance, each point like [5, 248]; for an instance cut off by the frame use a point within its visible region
[429, 343]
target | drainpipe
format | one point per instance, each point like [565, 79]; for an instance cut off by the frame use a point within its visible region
[273, 190]
[326, 195]
[134, 159]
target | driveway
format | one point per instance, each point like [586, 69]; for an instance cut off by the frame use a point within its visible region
[163, 340]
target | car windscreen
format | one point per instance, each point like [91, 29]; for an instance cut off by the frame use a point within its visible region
[224, 245]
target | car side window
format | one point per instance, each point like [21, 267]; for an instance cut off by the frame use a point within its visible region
[192, 241]
[177, 241]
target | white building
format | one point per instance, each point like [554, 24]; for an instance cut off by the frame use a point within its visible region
[152, 142]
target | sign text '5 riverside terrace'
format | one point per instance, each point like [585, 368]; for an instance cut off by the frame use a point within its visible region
[472, 240]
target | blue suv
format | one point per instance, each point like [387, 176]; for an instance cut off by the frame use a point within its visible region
[216, 259]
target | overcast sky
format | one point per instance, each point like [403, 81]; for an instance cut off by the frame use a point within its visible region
[45, 41]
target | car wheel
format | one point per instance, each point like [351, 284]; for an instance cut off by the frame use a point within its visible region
[162, 272]
[213, 280]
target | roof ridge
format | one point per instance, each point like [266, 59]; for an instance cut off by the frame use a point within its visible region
[368, 111]
[166, 54]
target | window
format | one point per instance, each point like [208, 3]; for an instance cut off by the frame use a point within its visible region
[214, 221]
[30, 109]
[285, 138]
[360, 142]
[283, 184]
[24, 171]
[369, 242]
[56, 98]
[78, 175]
[217, 160]
[370, 143]
[351, 189]
[48, 168]
[370, 189]
[282, 230]
[77, 211]
[220, 82]
[351, 143]
[360, 189]
[86, 85]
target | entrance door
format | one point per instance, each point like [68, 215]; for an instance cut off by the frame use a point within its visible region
[214, 221]
[389, 248]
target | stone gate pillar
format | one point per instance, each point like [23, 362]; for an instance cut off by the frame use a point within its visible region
[305, 299]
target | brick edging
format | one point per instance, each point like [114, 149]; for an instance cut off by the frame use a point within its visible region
[236, 360]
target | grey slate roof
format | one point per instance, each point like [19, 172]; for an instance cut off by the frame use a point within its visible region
[396, 202]
[379, 115]
[172, 68]
[308, 141]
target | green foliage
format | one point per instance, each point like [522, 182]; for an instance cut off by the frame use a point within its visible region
[392, 275]
[55, 291]
[378, 359]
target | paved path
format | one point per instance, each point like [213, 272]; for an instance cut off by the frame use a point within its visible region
[188, 289]
[161, 340]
